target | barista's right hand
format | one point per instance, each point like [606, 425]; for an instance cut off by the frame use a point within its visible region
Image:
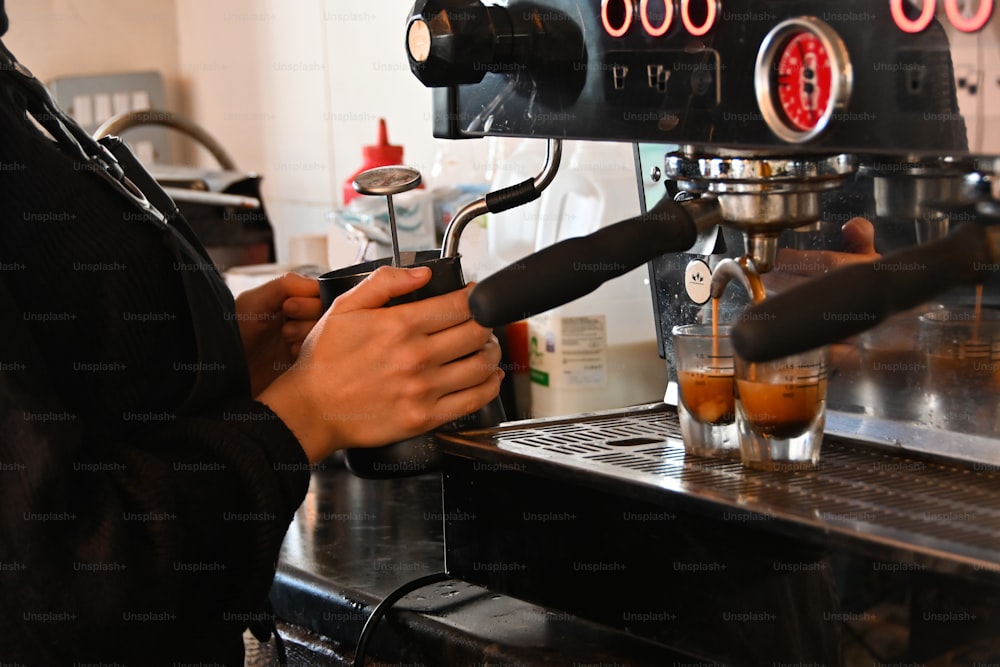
[368, 376]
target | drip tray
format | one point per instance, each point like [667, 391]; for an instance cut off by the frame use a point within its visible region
[890, 505]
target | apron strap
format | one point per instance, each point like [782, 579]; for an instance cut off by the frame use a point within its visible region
[222, 366]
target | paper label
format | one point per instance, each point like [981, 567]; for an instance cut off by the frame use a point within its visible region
[569, 351]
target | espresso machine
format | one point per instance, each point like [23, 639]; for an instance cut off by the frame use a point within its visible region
[760, 127]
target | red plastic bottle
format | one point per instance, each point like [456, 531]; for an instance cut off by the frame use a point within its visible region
[381, 154]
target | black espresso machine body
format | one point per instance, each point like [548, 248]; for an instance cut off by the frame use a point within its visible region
[790, 117]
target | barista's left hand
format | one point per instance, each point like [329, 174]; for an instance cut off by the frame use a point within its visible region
[793, 266]
[274, 319]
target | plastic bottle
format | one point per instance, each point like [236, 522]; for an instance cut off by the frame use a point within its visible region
[600, 351]
[513, 234]
[510, 236]
[369, 216]
[382, 154]
[458, 177]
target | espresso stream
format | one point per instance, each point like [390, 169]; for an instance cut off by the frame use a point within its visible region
[709, 394]
[783, 410]
[779, 410]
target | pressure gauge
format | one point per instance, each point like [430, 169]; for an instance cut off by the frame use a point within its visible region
[802, 76]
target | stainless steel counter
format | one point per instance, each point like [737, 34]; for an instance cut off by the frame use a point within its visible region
[354, 541]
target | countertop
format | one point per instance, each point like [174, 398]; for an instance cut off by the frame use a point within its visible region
[354, 541]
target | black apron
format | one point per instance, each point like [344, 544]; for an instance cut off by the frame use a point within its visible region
[111, 162]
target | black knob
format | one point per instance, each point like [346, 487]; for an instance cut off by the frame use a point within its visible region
[457, 42]
[454, 42]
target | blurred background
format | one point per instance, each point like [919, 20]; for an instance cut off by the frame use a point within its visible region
[292, 90]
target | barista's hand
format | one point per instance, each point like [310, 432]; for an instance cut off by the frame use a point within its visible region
[274, 319]
[368, 376]
[793, 266]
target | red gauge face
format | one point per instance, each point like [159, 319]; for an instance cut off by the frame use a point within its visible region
[804, 81]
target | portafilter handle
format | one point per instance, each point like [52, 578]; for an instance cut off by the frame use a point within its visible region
[857, 297]
[570, 269]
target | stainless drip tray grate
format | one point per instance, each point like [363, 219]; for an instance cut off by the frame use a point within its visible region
[917, 507]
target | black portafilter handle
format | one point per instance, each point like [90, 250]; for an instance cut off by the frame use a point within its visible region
[570, 269]
[857, 297]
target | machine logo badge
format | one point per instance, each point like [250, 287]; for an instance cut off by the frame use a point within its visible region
[698, 281]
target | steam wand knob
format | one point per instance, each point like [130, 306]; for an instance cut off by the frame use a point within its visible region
[456, 42]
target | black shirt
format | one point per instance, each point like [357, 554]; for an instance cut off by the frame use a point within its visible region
[143, 494]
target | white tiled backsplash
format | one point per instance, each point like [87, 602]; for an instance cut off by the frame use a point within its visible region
[92, 100]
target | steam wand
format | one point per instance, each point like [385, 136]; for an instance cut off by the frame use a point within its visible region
[502, 200]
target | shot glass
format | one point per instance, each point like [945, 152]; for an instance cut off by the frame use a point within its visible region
[892, 353]
[705, 373]
[781, 411]
[893, 370]
[963, 348]
[963, 366]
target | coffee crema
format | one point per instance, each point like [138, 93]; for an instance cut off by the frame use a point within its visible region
[708, 396]
[781, 411]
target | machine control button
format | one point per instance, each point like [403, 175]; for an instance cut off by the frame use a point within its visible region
[664, 25]
[974, 23]
[802, 76]
[418, 41]
[905, 23]
[650, 86]
[618, 74]
[657, 77]
[459, 42]
[711, 10]
[616, 16]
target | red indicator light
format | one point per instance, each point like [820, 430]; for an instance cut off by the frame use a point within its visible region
[974, 23]
[712, 12]
[668, 18]
[905, 23]
[625, 7]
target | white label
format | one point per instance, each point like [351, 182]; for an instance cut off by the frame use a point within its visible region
[569, 351]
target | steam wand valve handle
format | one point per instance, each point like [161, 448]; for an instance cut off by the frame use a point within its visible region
[857, 297]
[576, 267]
[454, 42]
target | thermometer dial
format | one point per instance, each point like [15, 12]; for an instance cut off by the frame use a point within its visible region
[803, 75]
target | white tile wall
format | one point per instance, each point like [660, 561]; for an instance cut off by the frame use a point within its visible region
[295, 89]
[291, 88]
